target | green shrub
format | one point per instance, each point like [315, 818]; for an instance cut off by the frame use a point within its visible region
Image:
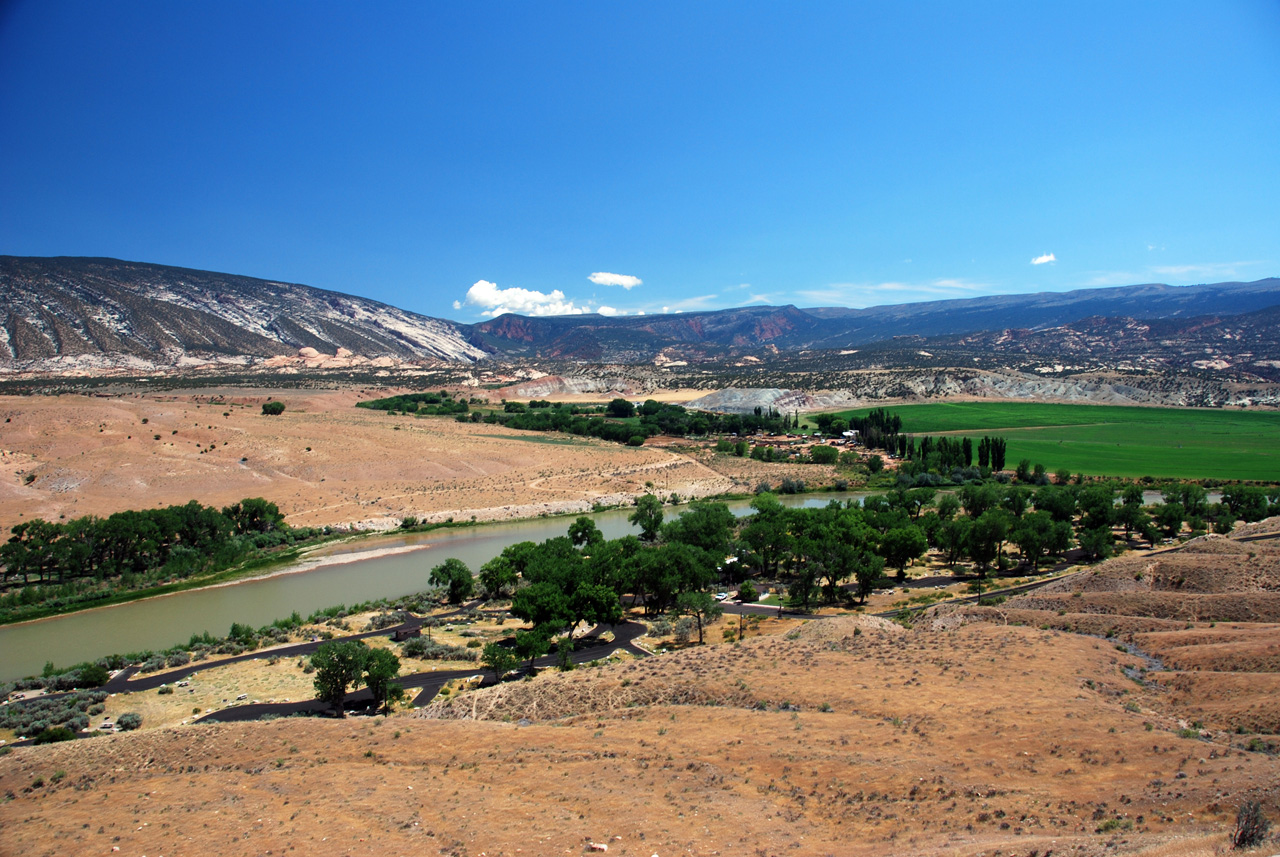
[54, 734]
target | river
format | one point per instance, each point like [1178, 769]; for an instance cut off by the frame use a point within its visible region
[167, 620]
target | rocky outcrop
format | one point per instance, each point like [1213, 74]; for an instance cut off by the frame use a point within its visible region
[93, 315]
[872, 388]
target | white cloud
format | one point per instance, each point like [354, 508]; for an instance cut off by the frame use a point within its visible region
[1047, 257]
[1114, 278]
[1174, 274]
[603, 278]
[608, 310]
[868, 294]
[1212, 269]
[495, 301]
[697, 303]
[945, 286]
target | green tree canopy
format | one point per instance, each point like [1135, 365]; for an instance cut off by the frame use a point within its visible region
[647, 516]
[707, 526]
[499, 659]
[455, 578]
[620, 408]
[381, 667]
[901, 545]
[701, 606]
[339, 664]
[584, 533]
[1037, 535]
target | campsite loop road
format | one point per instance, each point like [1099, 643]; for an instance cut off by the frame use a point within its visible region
[427, 684]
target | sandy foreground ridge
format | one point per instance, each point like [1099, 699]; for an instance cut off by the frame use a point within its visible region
[848, 738]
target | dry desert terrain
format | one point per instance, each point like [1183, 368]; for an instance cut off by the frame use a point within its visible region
[843, 736]
[323, 461]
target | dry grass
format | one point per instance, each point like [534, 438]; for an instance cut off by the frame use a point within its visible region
[217, 688]
[885, 741]
[1209, 611]
[323, 461]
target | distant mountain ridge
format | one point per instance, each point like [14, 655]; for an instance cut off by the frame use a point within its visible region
[73, 314]
[638, 338]
[87, 312]
[1051, 309]
[642, 338]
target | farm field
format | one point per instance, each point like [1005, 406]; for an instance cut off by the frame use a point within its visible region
[1111, 440]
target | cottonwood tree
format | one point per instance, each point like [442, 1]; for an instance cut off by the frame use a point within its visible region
[585, 534]
[987, 537]
[254, 515]
[699, 606]
[1058, 501]
[703, 525]
[499, 659]
[767, 532]
[455, 578]
[953, 538]
[1169, 518]
[339, 664]
[900, 546]
[647, 516]
[1037, 535]
[532, 644]
[381, 667]
[498, 576]
[1096, 542]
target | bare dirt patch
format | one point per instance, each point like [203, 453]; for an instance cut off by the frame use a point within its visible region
[1208, 612]
[884, 741]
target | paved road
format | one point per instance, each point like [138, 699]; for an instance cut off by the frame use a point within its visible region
[588, 648]
[428, 684]
[123, 681]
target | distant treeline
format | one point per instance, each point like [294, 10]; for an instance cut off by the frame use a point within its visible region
[432, 404]
[879, 429]
[53, 564]
[620, 420]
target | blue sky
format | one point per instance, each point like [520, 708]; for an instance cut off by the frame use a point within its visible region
[461, 159]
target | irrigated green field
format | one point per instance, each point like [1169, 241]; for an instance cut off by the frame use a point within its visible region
[1110, 440]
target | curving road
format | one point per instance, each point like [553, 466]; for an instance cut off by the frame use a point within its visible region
[427, 684]
[587, 648]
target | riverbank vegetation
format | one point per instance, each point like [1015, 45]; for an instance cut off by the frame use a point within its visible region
[54, 567]
[620, 420]
[677, 573]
